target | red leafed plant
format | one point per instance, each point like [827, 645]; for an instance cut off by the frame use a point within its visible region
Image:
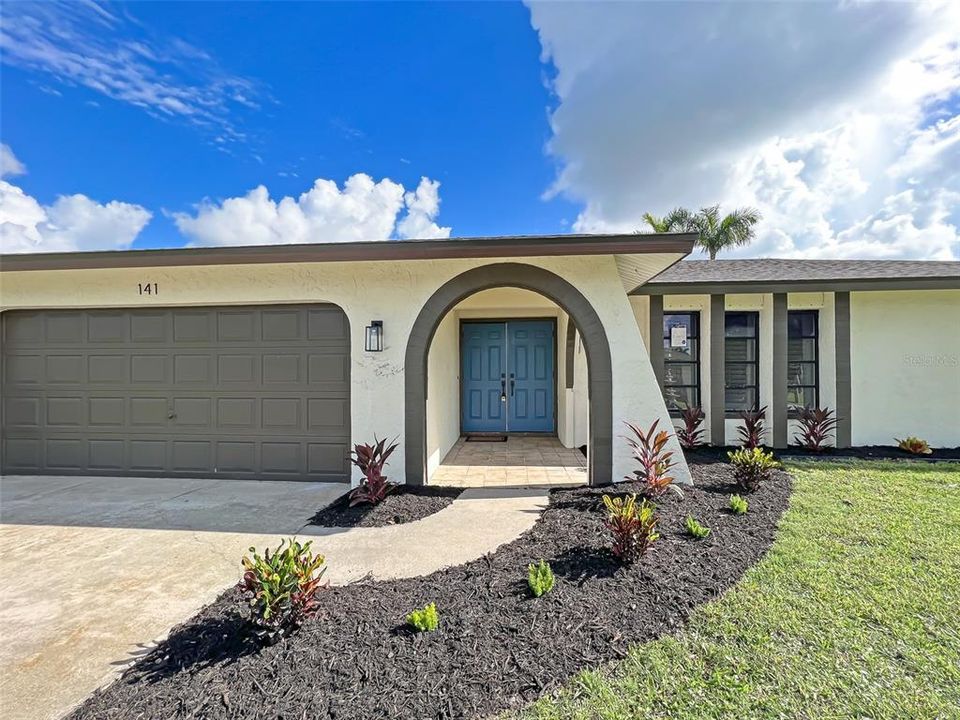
[816, 425]
[689, 434]
[751, 432]
[649, 448]
[371, 460]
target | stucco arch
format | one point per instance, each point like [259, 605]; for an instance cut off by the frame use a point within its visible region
[527, 277]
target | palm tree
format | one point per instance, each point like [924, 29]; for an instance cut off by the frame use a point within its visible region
[676, 220]
[714, 233]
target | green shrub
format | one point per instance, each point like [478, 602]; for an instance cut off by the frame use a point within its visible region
[633, 526]
[752, 466]
[914, 446]
[540, 578]
[738, 505]
[284, 584]
[425, 619]
[695, 529]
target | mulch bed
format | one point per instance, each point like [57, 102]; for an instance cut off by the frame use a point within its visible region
[712, 454]
[404, 504]
[496, 648]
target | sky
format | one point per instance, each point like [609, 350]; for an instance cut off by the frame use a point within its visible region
[146, 125]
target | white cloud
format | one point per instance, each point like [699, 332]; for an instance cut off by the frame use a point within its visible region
[839, 122]
[71, 223]
[9, 164]
[82, 44]
[362, 210]
[423, 205]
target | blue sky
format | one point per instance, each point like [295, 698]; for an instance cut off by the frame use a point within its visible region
[454, 92]
[164, 124]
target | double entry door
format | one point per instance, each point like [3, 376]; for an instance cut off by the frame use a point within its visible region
[507, 376]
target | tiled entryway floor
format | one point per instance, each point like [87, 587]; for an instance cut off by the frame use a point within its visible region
[518, 461]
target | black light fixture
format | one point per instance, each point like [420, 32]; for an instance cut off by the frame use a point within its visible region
[374, 336]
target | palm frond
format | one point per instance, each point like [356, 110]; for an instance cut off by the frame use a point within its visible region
[656, 224]
[677, 220]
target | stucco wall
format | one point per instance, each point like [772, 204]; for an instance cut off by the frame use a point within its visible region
[579, 398]
[443, 392]
[905, 366]
[390, 291]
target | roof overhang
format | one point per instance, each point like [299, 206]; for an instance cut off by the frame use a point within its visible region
[639, 256]
[515, 246]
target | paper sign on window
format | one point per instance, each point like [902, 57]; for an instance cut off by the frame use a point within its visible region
[678, 337]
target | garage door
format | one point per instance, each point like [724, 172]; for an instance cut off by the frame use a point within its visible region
[241, 392]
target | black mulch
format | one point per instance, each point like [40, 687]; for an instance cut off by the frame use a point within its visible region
[404, 504]
[709, 454]
[496, 647]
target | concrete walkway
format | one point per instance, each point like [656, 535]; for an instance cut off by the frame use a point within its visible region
[96, 570]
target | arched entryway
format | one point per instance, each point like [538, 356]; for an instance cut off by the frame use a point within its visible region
[528, 277]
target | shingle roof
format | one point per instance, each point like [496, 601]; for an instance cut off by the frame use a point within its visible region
[794, 271]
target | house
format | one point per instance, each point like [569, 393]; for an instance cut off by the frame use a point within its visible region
[268, 362]
[877, 341]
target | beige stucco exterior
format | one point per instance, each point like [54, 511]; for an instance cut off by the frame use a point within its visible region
[905, 359]
[393, 292]
[905, 366]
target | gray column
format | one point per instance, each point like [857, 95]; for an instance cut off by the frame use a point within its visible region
[778, 403]
[841, 309]
[718, 375]
[656, 338]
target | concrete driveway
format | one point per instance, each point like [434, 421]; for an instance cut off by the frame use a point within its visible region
[95, 568]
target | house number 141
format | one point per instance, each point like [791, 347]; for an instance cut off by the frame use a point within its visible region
[147, 289]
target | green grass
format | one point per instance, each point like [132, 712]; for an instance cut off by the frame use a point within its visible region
[854, 613]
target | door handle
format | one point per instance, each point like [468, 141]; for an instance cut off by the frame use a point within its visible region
[503, 387]
[512, 384]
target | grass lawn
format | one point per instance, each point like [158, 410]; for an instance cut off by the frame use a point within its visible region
[854, 613]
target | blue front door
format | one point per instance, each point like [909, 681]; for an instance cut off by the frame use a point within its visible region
[507, 378]
[484, 377]
[530, 376]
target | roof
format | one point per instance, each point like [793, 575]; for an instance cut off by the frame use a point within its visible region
[784, 275]
[483, 247]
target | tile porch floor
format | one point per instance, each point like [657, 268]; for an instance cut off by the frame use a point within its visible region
[517, 462]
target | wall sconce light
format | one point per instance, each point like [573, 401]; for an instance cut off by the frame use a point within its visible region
[374, 336]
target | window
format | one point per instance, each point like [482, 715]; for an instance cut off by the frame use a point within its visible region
[741, 361]
[681, 361]
[803, 372]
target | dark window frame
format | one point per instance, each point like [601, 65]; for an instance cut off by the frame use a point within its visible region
[792, 412]
[695, 325]
[735, 413]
